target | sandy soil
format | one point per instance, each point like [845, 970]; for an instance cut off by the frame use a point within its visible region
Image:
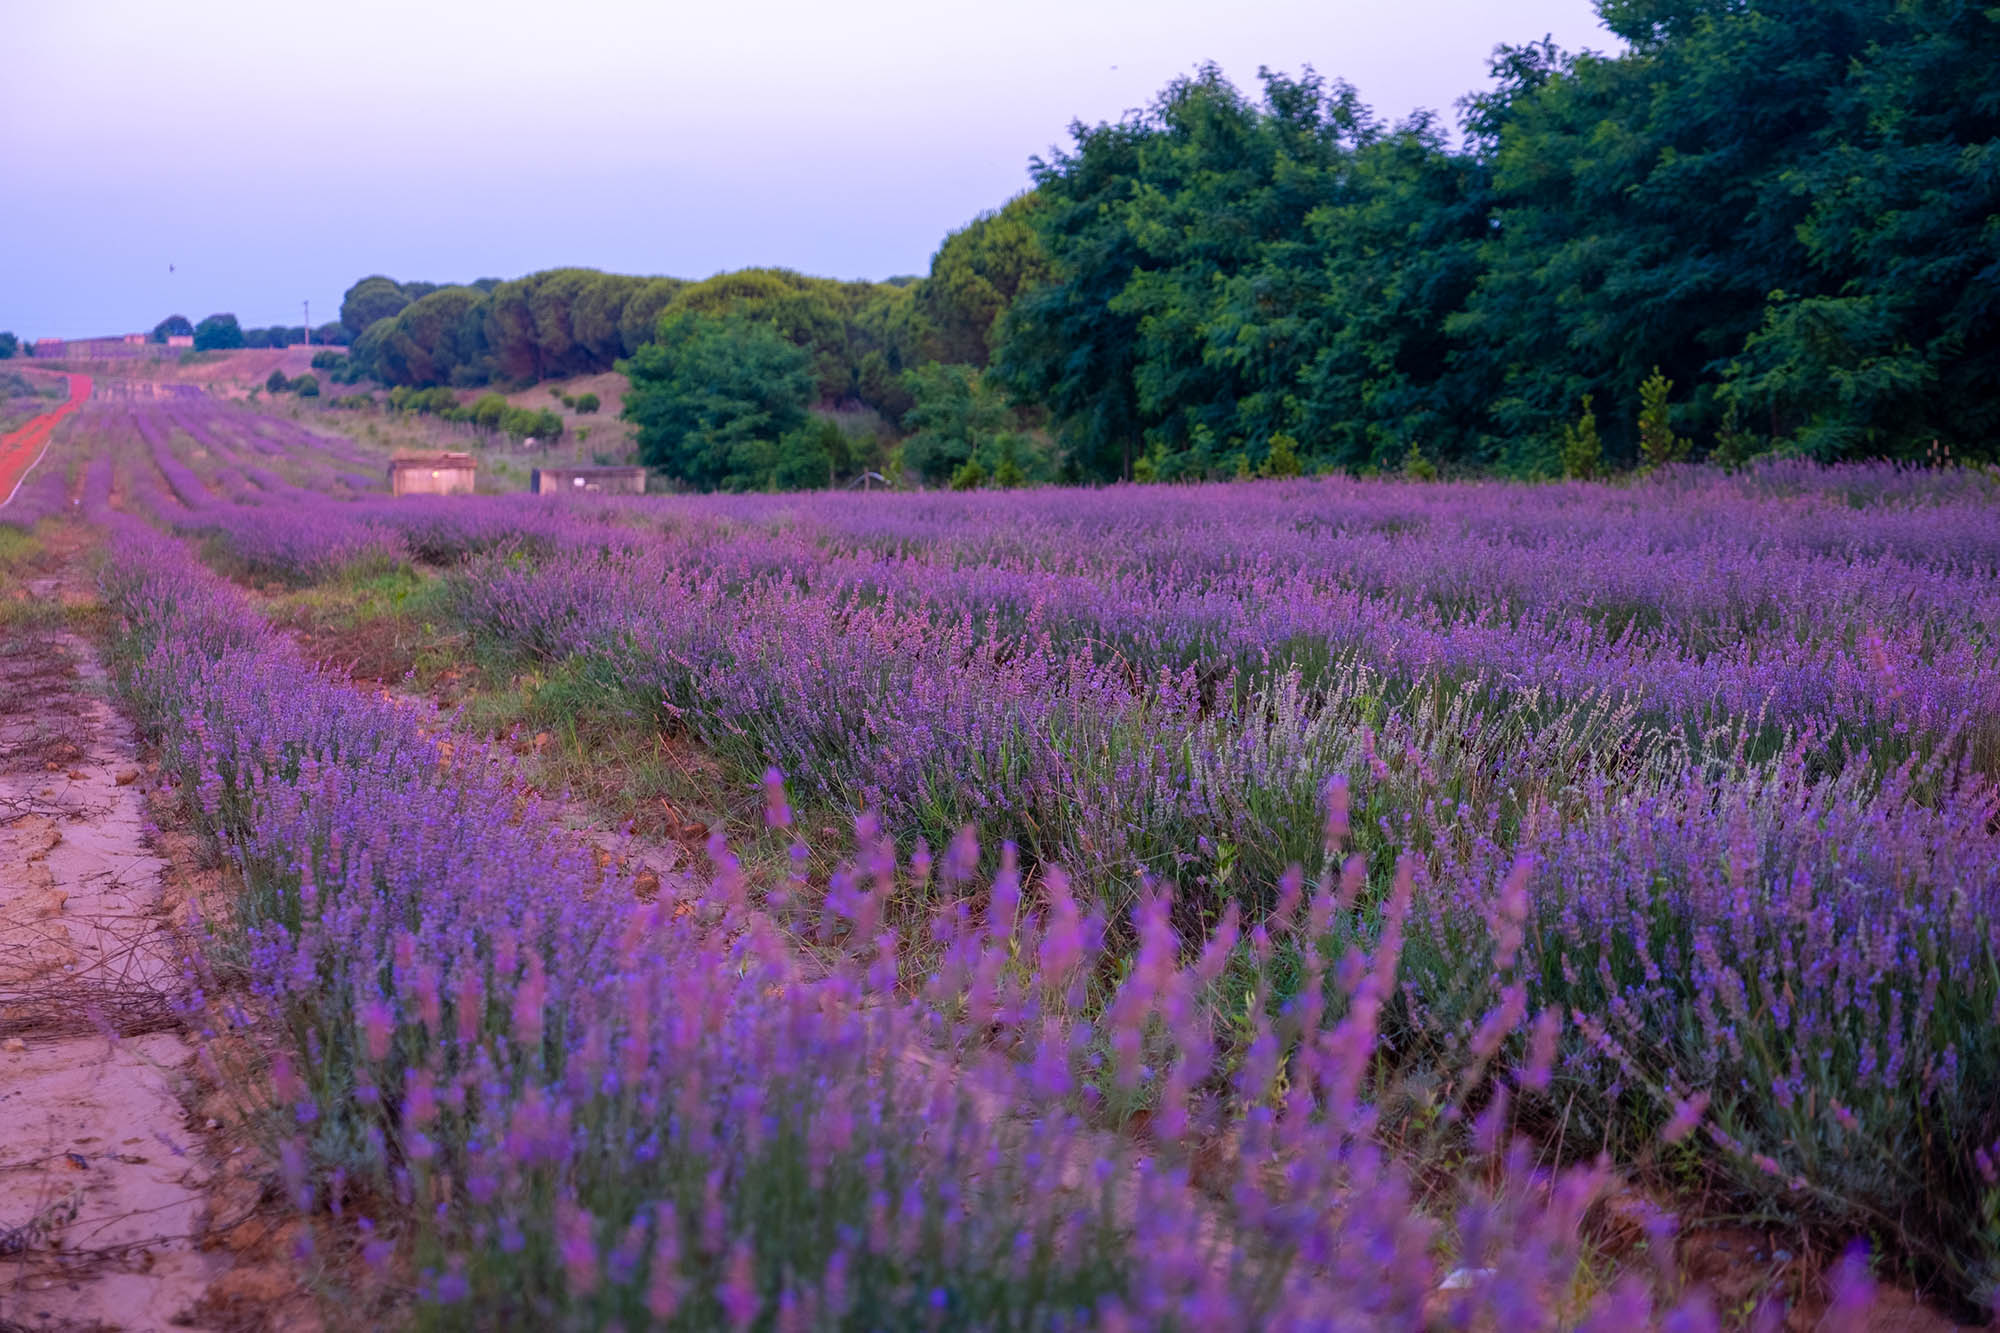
[102, 1177]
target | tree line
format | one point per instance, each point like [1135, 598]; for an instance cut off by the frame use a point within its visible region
[1766, 224]
[224, 333]
[1763, 225]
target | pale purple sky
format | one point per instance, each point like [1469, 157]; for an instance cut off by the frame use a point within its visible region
[275, 152]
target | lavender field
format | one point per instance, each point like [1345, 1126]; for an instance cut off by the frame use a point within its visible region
[1297, 904]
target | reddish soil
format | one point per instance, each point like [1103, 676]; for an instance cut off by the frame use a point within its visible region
[21, 449]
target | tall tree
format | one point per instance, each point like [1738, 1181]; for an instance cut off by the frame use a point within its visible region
[374, 297]
[976, 276]
[713, 396]
[218, 333]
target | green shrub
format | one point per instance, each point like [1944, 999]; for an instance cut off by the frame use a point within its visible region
[218, 333]
[1658, 444]
[1283, 460]
[306, 386]
[586, 403]
[1733, 444]
[1582, 450]
[276, 383]
[489, 411]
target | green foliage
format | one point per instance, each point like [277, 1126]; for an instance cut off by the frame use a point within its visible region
[975, 278]
[306, 386]
[9, 345]
[176, 326]
[1734, 446]
[369, 300]
[1417, 467]
[1283, 458]
[859, 336]
[218, 333]
[968, 476]
[1582, 450]
[278, 335]
[1009, 476]
[803, 460]
[330, 361]
[1180, 322]
[954, 412]
[1658, 444]
[489, 410]
[587, 403]
[276, 383]
[1788, 201]
[713, 397]
[492, 412]
[434, 402]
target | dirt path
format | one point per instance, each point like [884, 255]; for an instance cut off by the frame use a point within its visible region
[102, 1178]
[21, 449]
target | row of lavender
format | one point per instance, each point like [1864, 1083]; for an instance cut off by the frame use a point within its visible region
[1733, 734]
[169, 452]
[560, 1105]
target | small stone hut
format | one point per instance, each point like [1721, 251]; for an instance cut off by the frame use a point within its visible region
[588, 481]
[441, 473]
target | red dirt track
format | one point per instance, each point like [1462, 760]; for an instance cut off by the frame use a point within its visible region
[20, 448]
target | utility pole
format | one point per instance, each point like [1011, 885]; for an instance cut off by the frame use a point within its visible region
[309, 323]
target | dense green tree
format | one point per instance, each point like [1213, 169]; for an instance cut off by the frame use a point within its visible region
[886, 337]
[175, 326]
[440, 339]
[1783, 204]
[9, 345]
[811, 313]
[276, 383]
[489, 410]
[1582, 451]
[955, 411]
[371, 299]
[278, 335]
[1789, 197]
[562, 322]
[803, 461]
[713, 395]
[1658, 445]
[640, 315]
[218, 333]
[1149, 224]
[976, 276]
[1386, 265]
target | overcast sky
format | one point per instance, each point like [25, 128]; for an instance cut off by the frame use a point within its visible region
[275, 153]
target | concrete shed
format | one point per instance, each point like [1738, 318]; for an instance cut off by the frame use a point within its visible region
[589, 481]
[441, 473]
